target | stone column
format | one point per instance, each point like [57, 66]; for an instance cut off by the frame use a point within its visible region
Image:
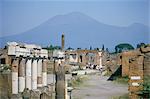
[28, 74]
[15, 76]
[60, 81]
[66, 90]
[100, 62]
[100, 59]
[34, 74]
[96, 59]
[44, 72]
[62, 41]
[39, 73]
[22, 75]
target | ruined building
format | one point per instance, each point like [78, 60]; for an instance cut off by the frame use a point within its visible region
[135, 65]
[84, 58]
[28, 63]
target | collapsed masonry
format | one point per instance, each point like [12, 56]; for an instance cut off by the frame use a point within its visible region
[84, 58]
[128, 57]
[28, 69]
[134, 64]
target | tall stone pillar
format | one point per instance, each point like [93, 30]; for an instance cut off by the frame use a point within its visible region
[34, 74]
[44, 72]
[39, 73]
[22, 75]
[96, 59]
[62, 41]
[60, 81]
[15, 76]
[28, 74]
[100, 59]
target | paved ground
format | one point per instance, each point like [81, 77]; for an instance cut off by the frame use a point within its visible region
[97, 87]
[51, 77]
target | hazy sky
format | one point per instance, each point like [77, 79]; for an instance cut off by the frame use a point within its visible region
[17, 16]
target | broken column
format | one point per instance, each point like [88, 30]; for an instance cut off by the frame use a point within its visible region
[96, 58]
[22, 75]
[28, 74]
[60, 81]
[125, 64]
[100, 59]
[34, 74]
[39, 73]
[15, 76]
[44, 72]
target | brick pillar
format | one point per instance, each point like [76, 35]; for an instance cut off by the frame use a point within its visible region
[135, 76]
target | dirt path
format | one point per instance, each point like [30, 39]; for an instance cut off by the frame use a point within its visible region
[97, 87]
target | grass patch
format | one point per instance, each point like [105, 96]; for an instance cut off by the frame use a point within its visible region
[147, 83]
[106, 73]
[78, 81]
[122, 80]
[145, 93]
[126, 96]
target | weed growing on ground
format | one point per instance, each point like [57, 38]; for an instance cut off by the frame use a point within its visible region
[120, 97]
[78, 81]
[122, 80]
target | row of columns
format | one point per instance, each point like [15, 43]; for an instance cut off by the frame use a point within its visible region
[28, 73]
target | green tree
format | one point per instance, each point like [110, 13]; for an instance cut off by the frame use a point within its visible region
[78, 48]
[69, 48]
[107, 50]
[123, 47]
[140, 45]
[90, 47]
[51, 47]
[103, 48]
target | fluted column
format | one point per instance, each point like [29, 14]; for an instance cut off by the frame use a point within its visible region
[34, 74]
[22, 75]
[15, 76]
[39, 73]
[28, 74]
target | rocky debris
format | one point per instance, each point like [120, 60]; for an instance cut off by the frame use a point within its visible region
[145, 49]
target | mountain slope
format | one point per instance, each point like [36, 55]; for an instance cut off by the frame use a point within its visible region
[81, 31]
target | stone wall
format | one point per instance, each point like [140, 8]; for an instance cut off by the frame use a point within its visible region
[125, 57]
[146, 51]
[5, 85]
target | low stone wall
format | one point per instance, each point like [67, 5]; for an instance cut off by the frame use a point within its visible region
[5, 85]
[5, 90]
